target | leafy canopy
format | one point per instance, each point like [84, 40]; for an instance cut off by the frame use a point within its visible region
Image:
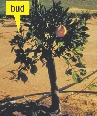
[43, 42]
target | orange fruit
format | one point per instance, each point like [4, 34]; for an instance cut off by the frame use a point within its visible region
[61, 31]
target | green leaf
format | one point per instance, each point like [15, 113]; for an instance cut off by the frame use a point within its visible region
[60, 44]
[68, 72]
[28, 61]
[66, 60]
[84, 28]
[80, 55]
[82, 72]
[74, 44]
[66, 9]
[80, 65]
[12, 49]
[76, 77]
[79, 48]
[93, 86]
[35, 54]
[68, 54]
[31, 37]
[73, 59]
[39, 41]
[17, 60]
[59, 49]
[33, 69]
[22, 76]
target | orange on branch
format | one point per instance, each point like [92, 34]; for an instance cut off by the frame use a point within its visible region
[61, 31]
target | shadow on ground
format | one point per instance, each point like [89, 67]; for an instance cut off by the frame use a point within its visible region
[9, 106]
[24, 109]
[34, 109]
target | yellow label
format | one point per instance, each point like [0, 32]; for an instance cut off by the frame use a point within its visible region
[17, 8]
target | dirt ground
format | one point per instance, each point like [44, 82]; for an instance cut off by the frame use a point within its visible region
[76, 103]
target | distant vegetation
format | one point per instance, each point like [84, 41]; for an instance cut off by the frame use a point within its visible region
[83, 4]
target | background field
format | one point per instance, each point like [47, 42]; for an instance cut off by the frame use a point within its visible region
[83, 4]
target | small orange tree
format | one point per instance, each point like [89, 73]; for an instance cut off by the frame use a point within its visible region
[54, 33]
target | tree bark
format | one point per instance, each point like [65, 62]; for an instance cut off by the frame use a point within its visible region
[54, 88]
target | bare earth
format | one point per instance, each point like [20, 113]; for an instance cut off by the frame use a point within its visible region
[73, 9]
[77, 103]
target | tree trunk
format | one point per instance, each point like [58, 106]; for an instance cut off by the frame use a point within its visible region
[54, 88]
